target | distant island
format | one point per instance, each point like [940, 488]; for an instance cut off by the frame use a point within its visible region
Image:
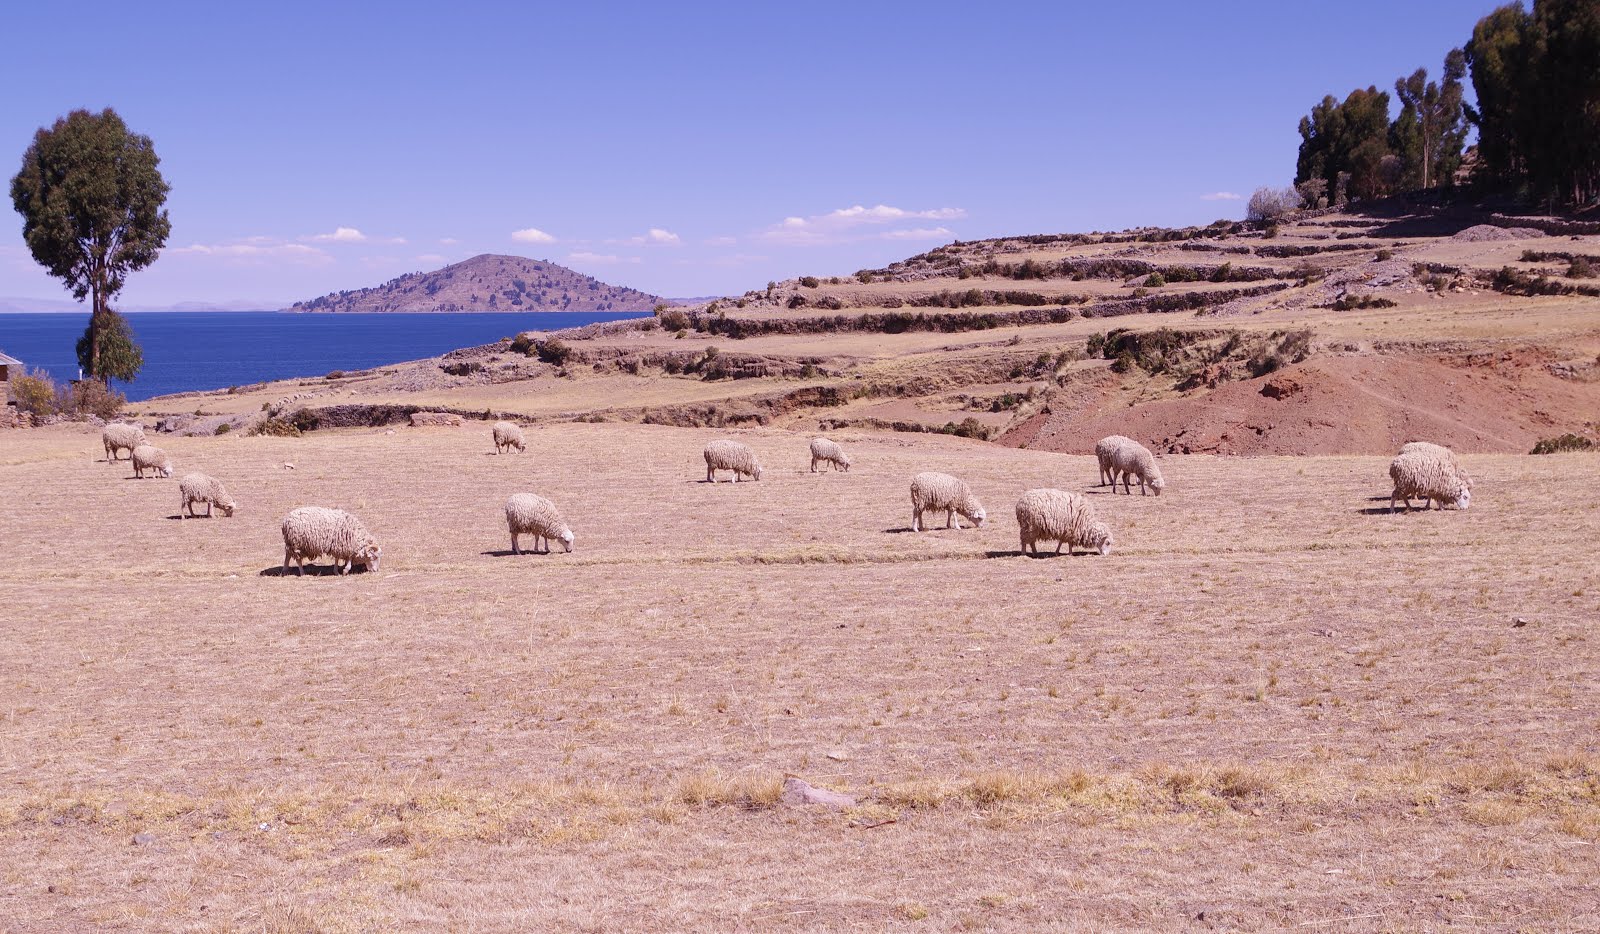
[487, 282]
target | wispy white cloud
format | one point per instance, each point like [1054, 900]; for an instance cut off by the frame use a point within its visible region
[721, 241]
[852, 223]
[448, 241]
[599, 259]
[919, 233]
[732, 259]
[531, 235]
[1222, 196]
[339, 235]
[430, 258]
[258, 250]
[655, 236]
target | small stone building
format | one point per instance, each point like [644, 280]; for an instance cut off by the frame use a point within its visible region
[9, 367]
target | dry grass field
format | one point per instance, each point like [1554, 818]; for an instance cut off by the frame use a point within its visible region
[1273, 707]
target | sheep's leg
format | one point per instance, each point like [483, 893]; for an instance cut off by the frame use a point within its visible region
[514, 549]
[950, 520]
[813, 463]
[711, 474]
[916, 519]
[208, 508]
[285, 570]
[1059, 543]
[342, 566]
[1141, 487]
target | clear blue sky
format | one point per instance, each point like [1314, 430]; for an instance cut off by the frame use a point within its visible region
[684, 149]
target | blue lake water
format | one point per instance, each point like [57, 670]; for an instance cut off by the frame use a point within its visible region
[191, 350]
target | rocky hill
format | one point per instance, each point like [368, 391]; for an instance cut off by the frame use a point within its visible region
[487, 282]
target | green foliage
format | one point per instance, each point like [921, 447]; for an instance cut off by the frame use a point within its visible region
[796, 301]
[1354, 302]
[523, 345]
[90, 194]
[34, 392]
[276, 428]
[968, 427]
[1155, 280]
[1580, 268]
[1562, 444]
[1429, 133]
[810, 282]
[119, 354]
[1344, 144]
[223, 428]
[1383, 256]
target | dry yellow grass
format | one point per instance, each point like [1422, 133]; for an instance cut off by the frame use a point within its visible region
[1270, 705]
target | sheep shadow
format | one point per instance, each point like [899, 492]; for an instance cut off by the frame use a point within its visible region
[312, 570]
[1378, 511]
[508, 553]
[1014, 553]
[199, 515]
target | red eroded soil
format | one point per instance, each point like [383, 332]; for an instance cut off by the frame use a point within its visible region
[1371, 404]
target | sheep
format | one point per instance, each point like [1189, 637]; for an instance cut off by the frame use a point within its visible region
[199, 488]
[939, 491]
[825, 451]
[1103, 451]
[1135, 460]
[508, 436]
[309, 532]
[119, 435]
[529, 514]
[148, 457]
[1428, 475]
[1062, 517]
[1441, 450]
[731, 455]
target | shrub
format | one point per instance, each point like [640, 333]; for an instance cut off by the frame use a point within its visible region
[1580, 269]
[462, 368]
[1221, 273]
[809, 282]
[796, 301]
[864, 277]
[830, 302]
[968, 427]
[276, 428]
[335, 374]
[1313, 193]
[1353, 302]
[671, 319]
[89, 397]
[554, 351]
[223, 428]
[523, 344]
[1562, 444]
[1383, 256]
[35, 393]
[1270, 204]
[1155, 280]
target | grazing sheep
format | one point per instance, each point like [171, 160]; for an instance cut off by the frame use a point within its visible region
[1441, 450]
[731, 455]
[527, 514]
[1135, 460]
[310, 532]
[1062, 517]
[121, 435]
[148, 457]
[1103, 450]
[825, 451]
[1427, 475]
[939, 491]
[508, 436]
[199, 488]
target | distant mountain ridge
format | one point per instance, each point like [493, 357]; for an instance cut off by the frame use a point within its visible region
[487, 282]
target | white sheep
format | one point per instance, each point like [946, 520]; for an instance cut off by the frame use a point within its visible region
[200, 488]
[1135, 460]
[310, 532]
[824, 451]
[1442, 451]
[527, 514]
[151, 458]
[1103, 450]
[731, 455]
[1060, 517]
[1427, 475]
[935, 492]
[508, 436]
[118, 436]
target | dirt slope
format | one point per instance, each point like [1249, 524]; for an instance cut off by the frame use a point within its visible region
[1367, 404]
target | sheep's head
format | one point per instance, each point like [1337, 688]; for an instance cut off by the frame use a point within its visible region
[165, 469]
[1157, 483]
[227, 507]
[1098, 537]
[974, 510]
[1464, 497]
[756, 473]
[368, 556]
[844, 461]
[566, 539]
